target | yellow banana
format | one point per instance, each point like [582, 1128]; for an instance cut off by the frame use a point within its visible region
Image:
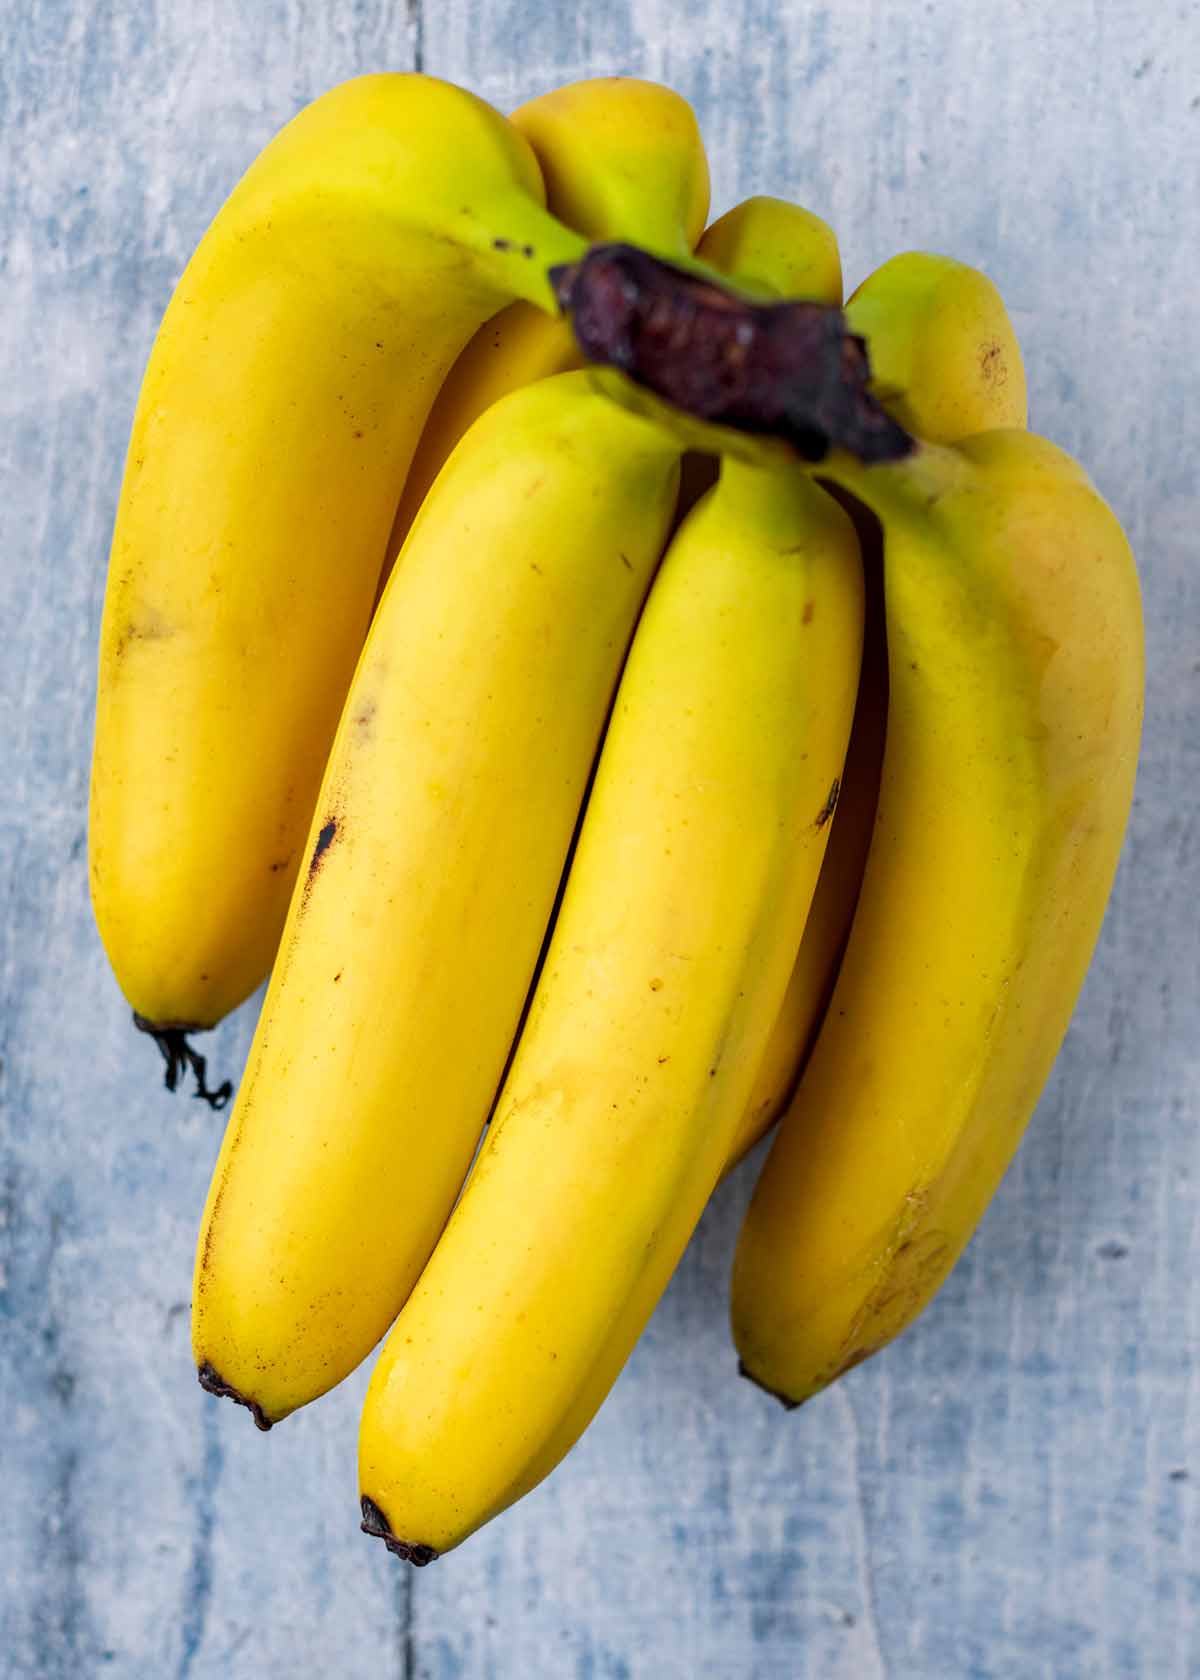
[284, 395]
[828, 924]
[946, 363]
[622, 159]
[654, 185]
[679, 924]
[441, 831]
[944, 357]
[773, 247]
[1016, 673]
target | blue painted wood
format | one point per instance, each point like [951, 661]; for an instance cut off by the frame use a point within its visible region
[1011, 1490]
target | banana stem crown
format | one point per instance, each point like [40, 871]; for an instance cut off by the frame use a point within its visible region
[790, 370]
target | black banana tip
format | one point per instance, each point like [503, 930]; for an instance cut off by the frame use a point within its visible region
[212, 1382]
[785, 1400]
[376, 1525]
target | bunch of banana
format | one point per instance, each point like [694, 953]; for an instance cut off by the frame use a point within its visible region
[541, 1309]
[605, 760]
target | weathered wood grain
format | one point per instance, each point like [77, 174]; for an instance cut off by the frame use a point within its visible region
[1014, 1489]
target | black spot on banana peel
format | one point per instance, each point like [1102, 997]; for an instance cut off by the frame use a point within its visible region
[326, 836]
[790, 370]
[830, 805]
[178, 1056]
[509, 245]
[375, 1524]
[213, 1383]
[325, 839]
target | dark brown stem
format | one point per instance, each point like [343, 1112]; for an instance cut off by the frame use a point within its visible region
[178, 1056]
[790, 370]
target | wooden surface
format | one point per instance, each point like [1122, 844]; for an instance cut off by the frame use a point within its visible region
[1013, 1489]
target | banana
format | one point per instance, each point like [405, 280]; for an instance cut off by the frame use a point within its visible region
[681, 916]
[775, 248]
[1015, 652]
[284, 395]
[654, 184]
[621, 158]
[443, 823]
[828, 924]
[946, 363]
[944, 357]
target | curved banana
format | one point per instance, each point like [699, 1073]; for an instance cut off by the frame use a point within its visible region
[284, 395]
[679, 924]
[946, 363]
[622, 158]
[441, 831]
[1016, 674]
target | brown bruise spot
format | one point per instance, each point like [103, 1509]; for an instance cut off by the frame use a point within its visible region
[810, 608]
[148, 628]
[376, 1525]
[856, 1357]
[213, 1383]
[915, 1270]
[830, 805]
[992, 366]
